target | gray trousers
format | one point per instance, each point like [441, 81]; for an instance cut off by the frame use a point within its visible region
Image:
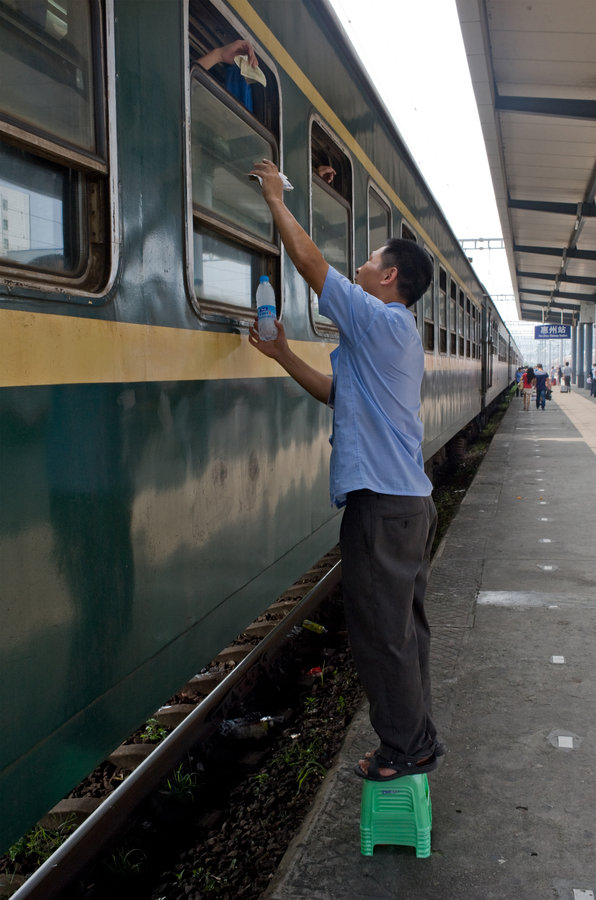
[385, 543]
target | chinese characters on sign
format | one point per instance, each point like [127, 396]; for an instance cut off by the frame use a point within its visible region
[560, 332]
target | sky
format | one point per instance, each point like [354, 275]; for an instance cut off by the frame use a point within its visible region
[414, 53]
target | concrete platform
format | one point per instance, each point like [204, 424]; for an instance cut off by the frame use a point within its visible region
[512, 604]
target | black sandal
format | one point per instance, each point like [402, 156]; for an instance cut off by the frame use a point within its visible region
[412, 767]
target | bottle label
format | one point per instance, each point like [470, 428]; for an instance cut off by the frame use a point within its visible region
[266, 312]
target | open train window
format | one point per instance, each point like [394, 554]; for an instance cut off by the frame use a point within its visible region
[233, 125]
[428, 306]
[53, 153]
[442, 310]
[407, 233]
[379, 220]
[331, 209]
[453, 319]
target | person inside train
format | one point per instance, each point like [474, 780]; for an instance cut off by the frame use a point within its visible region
[234, 81]
[377, 473]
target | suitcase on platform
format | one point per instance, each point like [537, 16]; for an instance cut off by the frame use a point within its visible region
[564, 389]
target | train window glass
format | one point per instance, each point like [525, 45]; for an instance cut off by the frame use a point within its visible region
[475, 314]
[224, 271]
[330, 229]
[232, 125]
[46, 60]
[40, 227]
[407, 233]
[460, 323]
[53, 158]
[468, 305]
[428, 306]
[224, 149]
[331, 211]
[453, 319]
[442, 310]
[379, 221]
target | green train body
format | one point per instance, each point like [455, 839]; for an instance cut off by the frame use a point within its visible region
[161, 481]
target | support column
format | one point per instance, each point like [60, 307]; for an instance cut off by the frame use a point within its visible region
[573, 360]
[581, 363]
[589, 346]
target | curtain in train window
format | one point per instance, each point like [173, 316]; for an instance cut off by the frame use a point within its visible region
[51, 105]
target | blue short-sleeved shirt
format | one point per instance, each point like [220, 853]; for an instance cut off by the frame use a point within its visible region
[377, 373]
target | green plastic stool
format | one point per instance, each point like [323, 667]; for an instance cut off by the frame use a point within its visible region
[396, 812]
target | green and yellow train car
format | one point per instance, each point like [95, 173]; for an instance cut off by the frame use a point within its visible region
[161, 482]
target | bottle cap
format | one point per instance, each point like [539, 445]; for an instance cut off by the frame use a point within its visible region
[263, 278]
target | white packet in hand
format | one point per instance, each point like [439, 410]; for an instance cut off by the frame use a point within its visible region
[252, 74]
[287, 186]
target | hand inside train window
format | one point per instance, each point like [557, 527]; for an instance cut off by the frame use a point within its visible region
[242, 69]
[232, 62]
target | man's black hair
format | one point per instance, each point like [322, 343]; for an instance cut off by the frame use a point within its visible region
[414, 265]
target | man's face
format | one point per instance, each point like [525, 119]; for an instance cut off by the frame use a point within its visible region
[369, 275]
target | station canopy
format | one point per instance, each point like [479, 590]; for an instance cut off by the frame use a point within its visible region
[533, 68]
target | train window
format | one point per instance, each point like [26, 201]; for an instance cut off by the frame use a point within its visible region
[379, 220]
[460, 323]
[453, 319]
[407, 233]
[53, 157]
[442, 310]
[475, 320]
[232, 125]
[468, 316]
[331, 212]
[428, 307]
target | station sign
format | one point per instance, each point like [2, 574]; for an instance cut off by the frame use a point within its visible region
[546, 332]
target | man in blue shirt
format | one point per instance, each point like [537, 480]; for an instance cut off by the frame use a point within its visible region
[542, 383]
[377, 473]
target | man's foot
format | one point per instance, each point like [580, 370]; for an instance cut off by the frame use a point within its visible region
[376, 768]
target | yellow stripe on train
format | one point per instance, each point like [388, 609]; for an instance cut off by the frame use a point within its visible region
[51, 349]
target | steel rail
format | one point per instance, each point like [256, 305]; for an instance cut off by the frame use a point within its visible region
[111, 817]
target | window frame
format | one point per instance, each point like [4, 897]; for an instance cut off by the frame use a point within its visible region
[266, 255]
[385, 203]
[443, 306]
[94, 207]
[429, 325]
[327, 328]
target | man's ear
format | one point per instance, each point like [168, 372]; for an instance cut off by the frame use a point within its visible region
[390, 275]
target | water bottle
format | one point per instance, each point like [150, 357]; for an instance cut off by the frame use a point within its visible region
[266, 310]
[253, 726]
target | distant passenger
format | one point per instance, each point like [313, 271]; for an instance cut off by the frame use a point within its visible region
[518, 378]
[377, 472]
[567, 373]
[527, 384]
[593, 385]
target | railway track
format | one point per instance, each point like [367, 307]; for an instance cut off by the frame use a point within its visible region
[193, 718]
